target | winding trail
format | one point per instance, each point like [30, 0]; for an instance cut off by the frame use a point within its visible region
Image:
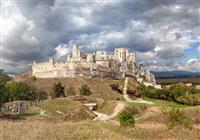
[104, 117]
[128, 99]
[120, 106]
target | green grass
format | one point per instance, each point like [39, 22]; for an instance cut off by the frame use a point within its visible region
[107, 107]
[163, 103]
[69, 110]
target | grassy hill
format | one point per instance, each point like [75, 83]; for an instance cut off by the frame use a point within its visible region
[66, 109]
[100, 87]
[67, 118]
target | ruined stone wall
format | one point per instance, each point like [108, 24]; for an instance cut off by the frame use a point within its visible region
[90, 58]
[99, 64]
[131, 57]
[49, 70]
[101, 55]
[103, 63]
[121, 54]
[76, 54]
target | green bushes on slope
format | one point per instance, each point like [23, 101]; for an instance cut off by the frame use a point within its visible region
[178, 93]
[126, 117]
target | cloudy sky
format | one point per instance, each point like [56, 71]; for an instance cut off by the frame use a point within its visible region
[164, 33]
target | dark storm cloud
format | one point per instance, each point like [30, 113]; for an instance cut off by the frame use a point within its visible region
[40, 26]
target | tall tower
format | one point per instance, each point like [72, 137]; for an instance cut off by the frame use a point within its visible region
[51, 61]
[76, 55]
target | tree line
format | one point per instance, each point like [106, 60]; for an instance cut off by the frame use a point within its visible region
[12, 91]
[178, 93]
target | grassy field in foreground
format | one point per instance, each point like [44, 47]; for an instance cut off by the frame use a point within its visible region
[87, 130]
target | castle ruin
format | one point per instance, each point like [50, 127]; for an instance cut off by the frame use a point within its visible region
[98, 64]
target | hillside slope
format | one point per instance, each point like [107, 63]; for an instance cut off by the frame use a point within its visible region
[100, 87]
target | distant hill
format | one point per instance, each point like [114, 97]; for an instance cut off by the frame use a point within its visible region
[175, 74]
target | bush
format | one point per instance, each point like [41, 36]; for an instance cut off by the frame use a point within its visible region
[126, 118]
[150, 92]
[85, 90]
[132, 93]
[70, 91]
[58, 91]
[178, 93]
[191, 99]
[115, 87]
[141, 90]
[34, 78]
[175, 117]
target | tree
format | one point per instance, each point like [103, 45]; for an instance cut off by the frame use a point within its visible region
[4, 78]
[58, 90]
[85, 90]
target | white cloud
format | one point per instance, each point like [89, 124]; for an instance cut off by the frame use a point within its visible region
[160, 32]
[62, 50]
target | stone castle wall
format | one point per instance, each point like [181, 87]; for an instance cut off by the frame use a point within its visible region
[92, 64]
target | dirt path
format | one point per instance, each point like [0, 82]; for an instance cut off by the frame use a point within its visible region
[104, 117]
[128, 99]
[125, 95]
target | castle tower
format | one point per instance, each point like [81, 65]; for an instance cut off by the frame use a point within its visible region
[51, 61]
[76, 55]
[131, 57]
[121, 54]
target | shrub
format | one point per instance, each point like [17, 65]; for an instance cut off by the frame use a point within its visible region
[85, 90]
[141, 90]
[178, 93]
[34, 78]
[115, 87]
[190, 99]
[132, 93]
[70, 91]
[126, 118]
[175, 117]
[58, 91]
[150, 92]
